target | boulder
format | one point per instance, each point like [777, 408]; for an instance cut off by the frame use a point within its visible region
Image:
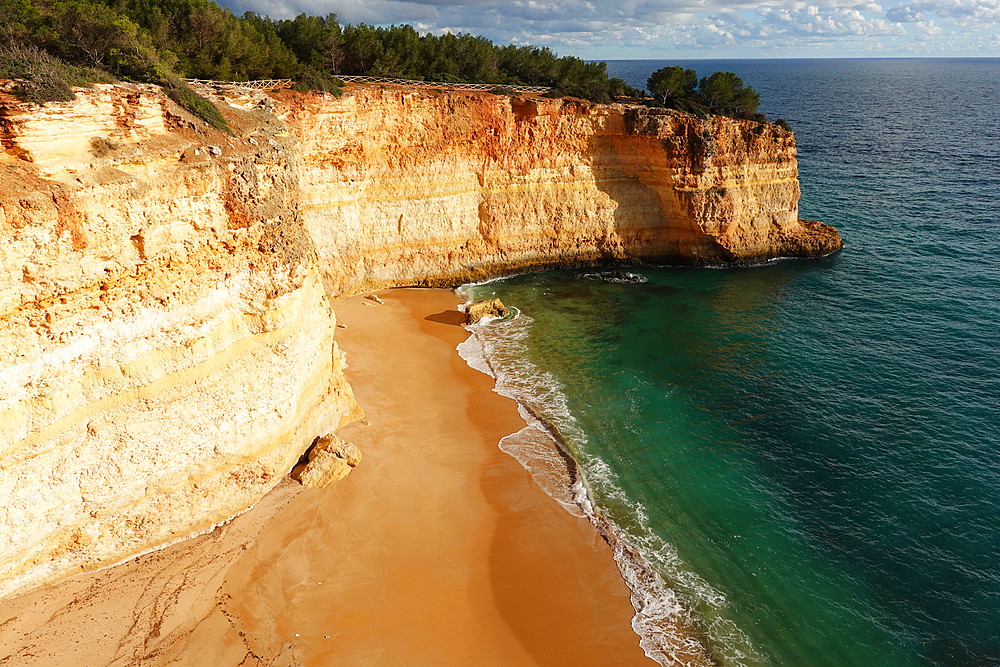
[330, 459]
[478, 311]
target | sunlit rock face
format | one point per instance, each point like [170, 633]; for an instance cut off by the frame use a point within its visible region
[167, 343]
[403, 187]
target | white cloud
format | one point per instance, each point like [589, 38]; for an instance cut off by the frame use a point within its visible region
[974, 14]
[904, 14]
[656, 28]
[929, 29]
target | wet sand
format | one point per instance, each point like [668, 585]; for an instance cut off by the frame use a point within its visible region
[438, 549]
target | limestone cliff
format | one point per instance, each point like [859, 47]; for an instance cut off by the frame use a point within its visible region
[403, 187]
[166, 345]
[166, 341]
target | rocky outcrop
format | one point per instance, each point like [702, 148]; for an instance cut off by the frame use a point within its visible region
[404, 187]
[477, 311]
[167, 346]
[330, 459]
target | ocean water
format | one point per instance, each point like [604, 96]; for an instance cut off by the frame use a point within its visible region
[801, 459]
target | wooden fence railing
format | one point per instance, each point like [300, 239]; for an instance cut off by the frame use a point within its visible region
[260, 84]
[441, 84]
[273, 84]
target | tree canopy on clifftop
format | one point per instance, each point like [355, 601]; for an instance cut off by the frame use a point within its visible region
[722, 93]
[52, 44]
[153, 40]
[399, 51]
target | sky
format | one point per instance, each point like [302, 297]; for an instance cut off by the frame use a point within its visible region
[662, 29]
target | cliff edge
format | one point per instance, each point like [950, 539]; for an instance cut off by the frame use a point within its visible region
[167, 342]
[404, 187]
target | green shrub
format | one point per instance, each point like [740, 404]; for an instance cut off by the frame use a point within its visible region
[783, 124]
[692, 107]
[322, 82]
[41, 77]
[180, 93]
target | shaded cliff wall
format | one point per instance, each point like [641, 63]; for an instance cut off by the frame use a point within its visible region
[403, 187]
[166, 345]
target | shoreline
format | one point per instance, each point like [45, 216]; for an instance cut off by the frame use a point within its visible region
[668, 634]
[548, 590]
[438, 547]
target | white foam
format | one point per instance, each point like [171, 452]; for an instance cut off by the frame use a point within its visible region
[535, 450]
[471, 350]
[617, 277]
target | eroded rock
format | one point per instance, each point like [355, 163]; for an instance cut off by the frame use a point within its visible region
[492, 308]
[144, 296]
[330, 459]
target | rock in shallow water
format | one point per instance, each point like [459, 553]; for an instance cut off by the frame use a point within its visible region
[478, 311]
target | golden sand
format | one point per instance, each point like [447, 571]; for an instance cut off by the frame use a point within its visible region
[438, 549]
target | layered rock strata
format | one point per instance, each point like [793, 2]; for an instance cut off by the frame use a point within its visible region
[166, 345]
[403, 187]
[166, 341]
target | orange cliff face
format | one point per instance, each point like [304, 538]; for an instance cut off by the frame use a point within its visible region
[403, 187]
[166, 341]
[166, 345]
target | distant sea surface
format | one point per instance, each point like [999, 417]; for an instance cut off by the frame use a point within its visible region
[806, 454]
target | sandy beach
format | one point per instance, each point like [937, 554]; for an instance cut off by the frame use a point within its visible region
[438, 549]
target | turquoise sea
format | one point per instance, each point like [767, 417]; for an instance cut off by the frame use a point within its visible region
[802, 459]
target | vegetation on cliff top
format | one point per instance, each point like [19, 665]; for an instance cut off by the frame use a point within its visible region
[722, 93]
[399, 51]
[158, 41]
[51, 45]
